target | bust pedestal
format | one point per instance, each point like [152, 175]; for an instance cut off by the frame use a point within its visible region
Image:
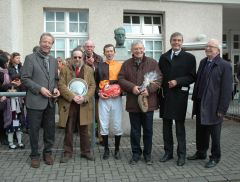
[121, 54]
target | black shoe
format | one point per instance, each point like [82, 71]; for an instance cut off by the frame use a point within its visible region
[106, 154]
[211, 163]
[181, 161]
[21, 146]
[149, 162]
[197, 157]
[166, 157]
[117, 154]
[148, 159]
[133, 161]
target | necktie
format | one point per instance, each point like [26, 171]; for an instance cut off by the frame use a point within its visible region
[173, 55]
[77, 72]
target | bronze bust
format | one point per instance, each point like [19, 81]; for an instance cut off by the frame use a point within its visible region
[119, 35]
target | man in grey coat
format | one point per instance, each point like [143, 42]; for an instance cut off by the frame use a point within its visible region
[211, 98]
[40, 76]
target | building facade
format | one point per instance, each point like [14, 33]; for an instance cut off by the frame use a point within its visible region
[153, 21]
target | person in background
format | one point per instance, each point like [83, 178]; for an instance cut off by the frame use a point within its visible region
[76, 111]
[36, 48]
[131, 78]
[12, 107]
[3, 136]
[93, 60]
[179, 71]
[5, 103]
[15, 69]
[211, 97]
[61, 100]
[40, 77]
[110, 104]
[60, 64]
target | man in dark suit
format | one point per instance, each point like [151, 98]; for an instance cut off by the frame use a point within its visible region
[179, 71]
[211, 97]
[40, 77]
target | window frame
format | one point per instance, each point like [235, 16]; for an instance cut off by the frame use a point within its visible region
[143, 36]
[67, 35]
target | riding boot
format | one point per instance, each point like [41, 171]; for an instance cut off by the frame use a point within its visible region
[106, 149]
[117, 144]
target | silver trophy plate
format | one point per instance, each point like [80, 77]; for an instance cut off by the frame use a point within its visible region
[78, 86]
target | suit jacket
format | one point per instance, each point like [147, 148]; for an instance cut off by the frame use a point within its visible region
[34, 76]
[217, 93]
[182, 68]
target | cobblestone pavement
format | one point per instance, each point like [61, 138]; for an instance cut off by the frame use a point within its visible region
[15, 164]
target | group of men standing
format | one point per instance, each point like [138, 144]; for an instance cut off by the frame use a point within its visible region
[175, 72]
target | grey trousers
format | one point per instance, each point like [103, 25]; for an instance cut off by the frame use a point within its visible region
[45, 119]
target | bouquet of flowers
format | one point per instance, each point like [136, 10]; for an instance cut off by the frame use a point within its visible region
[149, 78]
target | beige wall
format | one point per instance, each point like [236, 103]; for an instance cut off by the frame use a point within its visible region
[191, 19]
[11, 26]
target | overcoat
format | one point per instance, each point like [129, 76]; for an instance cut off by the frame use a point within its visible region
[182, 68]
[66, 97]
[132, 75]
[217, 93]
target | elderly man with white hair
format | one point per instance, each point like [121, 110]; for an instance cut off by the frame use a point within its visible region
[211, 98]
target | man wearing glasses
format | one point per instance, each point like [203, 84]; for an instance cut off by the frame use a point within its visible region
[211, 97]
[76, 110]
[93, 60]
[90, 57]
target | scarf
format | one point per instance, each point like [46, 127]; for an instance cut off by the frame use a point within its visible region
[45, 58]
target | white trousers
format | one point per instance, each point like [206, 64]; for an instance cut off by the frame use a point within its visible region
[110, 110]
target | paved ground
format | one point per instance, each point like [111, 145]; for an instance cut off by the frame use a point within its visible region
[14, 164]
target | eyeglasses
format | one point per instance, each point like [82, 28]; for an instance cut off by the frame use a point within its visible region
[211, 47]
[79, 57]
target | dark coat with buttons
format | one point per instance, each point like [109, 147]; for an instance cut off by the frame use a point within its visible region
[217, 93]
[182, 68]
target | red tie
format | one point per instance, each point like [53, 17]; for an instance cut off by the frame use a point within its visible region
[77, 72]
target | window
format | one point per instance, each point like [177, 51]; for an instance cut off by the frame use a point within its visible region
[148, 29]
[236, 41]
[224, 41]
[70, 29]
[153, 48]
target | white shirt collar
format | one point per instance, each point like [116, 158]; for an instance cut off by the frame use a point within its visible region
[176, 52]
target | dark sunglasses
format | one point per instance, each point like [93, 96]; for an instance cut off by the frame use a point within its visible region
[75, 57]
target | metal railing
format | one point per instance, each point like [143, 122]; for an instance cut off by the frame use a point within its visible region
[234, 107]
[23, 94]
